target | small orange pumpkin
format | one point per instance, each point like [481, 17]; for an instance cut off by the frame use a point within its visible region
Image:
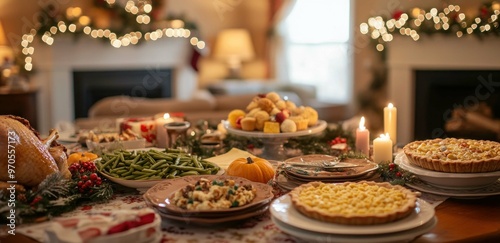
[254, 169]
[81, 157]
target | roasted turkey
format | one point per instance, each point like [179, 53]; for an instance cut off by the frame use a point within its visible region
[35, 158]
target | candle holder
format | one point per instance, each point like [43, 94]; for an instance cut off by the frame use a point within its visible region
[211, 148]
[210, 143]
[176, 132]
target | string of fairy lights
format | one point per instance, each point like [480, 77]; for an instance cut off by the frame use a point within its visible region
[450, 20]
[75, 22]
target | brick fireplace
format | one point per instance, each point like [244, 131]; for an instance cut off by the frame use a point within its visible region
[405, 58]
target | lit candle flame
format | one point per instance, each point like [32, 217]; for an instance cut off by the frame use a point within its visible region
[166, 116]
[362, 123]
[390, 106]
[385, 136]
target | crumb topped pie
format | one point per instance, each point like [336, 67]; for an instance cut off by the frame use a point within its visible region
[353, 203]
[454, 155]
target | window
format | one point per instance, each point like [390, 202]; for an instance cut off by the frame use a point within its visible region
[316, 47]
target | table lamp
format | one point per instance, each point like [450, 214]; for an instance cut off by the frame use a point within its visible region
[234, 46]
[5, 49]
[6, 58]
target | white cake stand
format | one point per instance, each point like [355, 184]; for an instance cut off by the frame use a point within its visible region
[273, 142]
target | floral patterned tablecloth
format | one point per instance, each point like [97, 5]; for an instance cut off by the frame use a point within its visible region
[255, 229]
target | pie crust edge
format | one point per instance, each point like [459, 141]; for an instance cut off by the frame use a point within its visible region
[452, 166]
[400, 213]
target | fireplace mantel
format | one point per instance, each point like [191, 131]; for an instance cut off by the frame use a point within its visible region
[432, 53]
[54, 66]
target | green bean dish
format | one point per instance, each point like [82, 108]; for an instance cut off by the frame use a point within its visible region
[153, 164]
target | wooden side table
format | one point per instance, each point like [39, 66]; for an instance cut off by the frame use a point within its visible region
[20, 103]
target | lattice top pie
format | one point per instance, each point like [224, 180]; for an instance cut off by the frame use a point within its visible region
[454, 155]
[354, 203]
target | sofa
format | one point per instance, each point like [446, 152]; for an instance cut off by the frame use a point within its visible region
[202, 106]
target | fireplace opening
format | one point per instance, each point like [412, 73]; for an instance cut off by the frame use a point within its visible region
[457, 103]
[92, 86]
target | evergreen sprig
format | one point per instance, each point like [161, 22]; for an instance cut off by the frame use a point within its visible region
[393, 174]
[54, 196]
[55, 185]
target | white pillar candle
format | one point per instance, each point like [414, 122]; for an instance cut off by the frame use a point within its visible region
[363, 138]
[391, 122]
[161, 131]
[382, 149]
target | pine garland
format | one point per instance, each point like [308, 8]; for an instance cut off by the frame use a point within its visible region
[127, 21]
[392, 173]
[53, 197]
[450, 20]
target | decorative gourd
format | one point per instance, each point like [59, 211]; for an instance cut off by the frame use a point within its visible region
[81, 157]
[254, 169]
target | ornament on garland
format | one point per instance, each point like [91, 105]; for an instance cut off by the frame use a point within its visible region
[449, 20]
[127, 25]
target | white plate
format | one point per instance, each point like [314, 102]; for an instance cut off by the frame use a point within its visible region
[142, 184]
[282, 209]
[401, 236]
[138, 184]
[493, 189]
[446, 180]
[319, 127]
[67, 137]
[116, 145]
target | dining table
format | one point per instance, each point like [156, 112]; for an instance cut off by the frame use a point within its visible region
[458, 220]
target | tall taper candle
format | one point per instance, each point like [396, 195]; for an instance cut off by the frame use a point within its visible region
[391, 122]
[363, 138]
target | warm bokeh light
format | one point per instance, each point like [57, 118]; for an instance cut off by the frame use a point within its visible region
[77, 23]
[84, 20]
[381, 30]
[177, 23]
[200, 44]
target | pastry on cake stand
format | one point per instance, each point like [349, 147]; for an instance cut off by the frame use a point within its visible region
[273, 142]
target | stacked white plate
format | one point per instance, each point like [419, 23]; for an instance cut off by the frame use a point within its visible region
[291, 221]
[458, 185]
[159, 197]
[295, 175]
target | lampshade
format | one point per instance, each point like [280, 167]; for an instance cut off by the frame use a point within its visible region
[5, 49]
[234, 43]
[3, 38]
[234, 46]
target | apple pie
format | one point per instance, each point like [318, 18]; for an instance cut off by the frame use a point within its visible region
[354, 203]
[454, 155]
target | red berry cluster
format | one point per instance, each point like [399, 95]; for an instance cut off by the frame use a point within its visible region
[392, 167]
[85, 176]
[338, 140]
